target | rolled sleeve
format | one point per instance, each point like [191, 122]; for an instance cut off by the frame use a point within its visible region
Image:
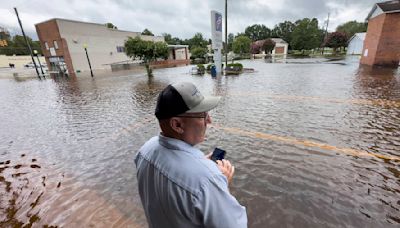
[216, 207]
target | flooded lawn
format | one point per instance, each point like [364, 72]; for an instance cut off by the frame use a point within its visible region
[314, 143]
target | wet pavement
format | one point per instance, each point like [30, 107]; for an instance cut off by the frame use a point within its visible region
[315, 143]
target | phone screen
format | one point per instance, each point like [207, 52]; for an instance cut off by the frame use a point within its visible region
[218, 154]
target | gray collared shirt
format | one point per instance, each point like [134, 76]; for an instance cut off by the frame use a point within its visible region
[179, 187]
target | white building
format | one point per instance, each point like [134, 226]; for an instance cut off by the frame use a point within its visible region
[64, 41]
[281, 47]
[356, 43]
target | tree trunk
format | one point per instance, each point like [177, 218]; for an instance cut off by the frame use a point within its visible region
[148, 69]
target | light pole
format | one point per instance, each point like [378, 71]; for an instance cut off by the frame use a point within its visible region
[87, 56]
[27, 43]
[35, 52]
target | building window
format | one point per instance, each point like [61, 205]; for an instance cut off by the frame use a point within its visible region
[120, 49]
[46, 45]
[55, 44]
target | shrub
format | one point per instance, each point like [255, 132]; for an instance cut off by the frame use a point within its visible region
[201, 69]
[235, 66]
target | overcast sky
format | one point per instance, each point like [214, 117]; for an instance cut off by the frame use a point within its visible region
[181, 18]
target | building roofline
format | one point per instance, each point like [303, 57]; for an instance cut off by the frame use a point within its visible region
[84, 22]
[356, 34]
[177, 46]
[384, 10]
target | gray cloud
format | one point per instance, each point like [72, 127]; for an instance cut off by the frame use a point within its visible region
[181, 18]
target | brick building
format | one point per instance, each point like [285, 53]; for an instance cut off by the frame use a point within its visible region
[382, 42]
[63, 42]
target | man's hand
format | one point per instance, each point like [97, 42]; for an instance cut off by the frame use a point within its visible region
[227, 169]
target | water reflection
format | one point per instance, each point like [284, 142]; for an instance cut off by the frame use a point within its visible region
[314, 144]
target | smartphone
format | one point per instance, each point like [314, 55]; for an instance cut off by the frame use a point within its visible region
[218, 154]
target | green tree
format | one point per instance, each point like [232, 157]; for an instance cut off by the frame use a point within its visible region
[111, 25]
[306, 35]
[336, 40]
[197, 41]
[146, 51]
[352, 27]
[284, 31]
[241, 45]
[257, 32]
[17, 46]
[198, 52]
[171, 40]
[147, 32]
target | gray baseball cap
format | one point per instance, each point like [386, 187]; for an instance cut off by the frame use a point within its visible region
[183, 97]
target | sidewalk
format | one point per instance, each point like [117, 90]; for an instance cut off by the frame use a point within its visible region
[9, 73]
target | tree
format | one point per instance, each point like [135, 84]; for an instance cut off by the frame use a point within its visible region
[268, 45]
[352, 27]
[197, 41]
[241, 45]
[198, 52]
[111, 25]
[17, 46]
[257, 32]
[171, 40]
[255, 48]
[284, 31]
[336, 40]
[146, 51]
[147, 32]
[306, 35]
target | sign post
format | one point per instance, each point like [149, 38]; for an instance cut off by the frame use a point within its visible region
[216, 39]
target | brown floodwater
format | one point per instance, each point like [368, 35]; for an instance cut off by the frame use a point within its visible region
[315, 143]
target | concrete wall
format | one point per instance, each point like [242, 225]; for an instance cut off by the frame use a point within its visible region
[382, 43]
[19, 61]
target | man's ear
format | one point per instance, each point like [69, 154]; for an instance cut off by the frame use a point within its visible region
[176, 125]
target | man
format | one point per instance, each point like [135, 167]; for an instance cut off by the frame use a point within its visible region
[178, 185]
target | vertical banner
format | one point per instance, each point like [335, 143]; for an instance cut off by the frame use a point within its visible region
[216, 38]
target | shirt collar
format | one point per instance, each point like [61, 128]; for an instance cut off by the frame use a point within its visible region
[176, 144]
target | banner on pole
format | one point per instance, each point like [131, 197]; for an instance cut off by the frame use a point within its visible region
[216, 29]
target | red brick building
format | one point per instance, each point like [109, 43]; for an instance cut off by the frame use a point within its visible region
[382, 42]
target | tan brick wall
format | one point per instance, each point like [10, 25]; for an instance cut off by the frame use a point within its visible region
[382, 41]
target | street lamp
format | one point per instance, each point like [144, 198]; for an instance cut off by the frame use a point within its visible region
[87, 56]
[35, 52]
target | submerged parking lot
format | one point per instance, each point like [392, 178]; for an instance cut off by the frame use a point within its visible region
[314, 143]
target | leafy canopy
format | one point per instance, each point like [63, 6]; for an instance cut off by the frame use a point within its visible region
[145, 50]
[241, 45]
[147, 32]
[257, 32]
[352, 27]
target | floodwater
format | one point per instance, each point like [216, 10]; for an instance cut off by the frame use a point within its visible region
[314, 143]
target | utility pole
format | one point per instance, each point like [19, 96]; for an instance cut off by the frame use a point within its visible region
[326, 34]
[226, 33]
[27, 43]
